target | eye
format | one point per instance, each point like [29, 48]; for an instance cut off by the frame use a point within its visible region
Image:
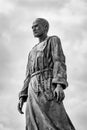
[35, 27]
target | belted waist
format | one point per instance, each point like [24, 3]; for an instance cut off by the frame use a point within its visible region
[40, 71]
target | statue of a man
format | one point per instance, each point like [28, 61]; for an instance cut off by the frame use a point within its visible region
[46, 79]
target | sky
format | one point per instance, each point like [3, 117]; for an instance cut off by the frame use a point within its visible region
[68, 20]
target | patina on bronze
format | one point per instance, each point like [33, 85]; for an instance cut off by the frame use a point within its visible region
[46, 79]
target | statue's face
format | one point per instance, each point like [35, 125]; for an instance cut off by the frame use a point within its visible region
[38, 29]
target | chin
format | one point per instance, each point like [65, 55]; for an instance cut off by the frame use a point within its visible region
[36, 35]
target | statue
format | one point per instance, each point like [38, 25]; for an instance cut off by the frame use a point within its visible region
[46, 79]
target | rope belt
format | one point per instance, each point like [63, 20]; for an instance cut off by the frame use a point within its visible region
[40, 71]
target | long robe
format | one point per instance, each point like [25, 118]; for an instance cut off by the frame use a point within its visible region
[45, 68]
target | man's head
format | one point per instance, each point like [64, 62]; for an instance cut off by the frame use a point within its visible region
[40, 27]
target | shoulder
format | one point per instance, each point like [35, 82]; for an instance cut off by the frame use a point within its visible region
[54, 37]
[54, 40]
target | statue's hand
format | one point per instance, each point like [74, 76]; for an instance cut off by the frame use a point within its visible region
[20, 106]
[59, 93]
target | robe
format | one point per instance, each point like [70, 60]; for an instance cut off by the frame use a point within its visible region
[45, 69]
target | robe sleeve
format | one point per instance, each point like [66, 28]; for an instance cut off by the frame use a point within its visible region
[59, 66]
[24, 92]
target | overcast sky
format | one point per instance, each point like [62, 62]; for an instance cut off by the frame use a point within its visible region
[68, 20]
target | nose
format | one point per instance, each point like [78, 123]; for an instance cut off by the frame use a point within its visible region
[34, 29]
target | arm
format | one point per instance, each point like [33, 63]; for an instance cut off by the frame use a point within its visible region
[59, 69]
[59, 66]
[24, 92]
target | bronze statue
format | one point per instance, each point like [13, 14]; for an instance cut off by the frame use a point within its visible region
[46, 79]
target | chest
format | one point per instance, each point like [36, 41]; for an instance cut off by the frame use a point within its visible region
[38, 51]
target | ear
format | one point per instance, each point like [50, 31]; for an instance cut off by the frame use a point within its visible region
[46, 28]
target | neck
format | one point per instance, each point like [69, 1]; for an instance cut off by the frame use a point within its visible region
[42, 37]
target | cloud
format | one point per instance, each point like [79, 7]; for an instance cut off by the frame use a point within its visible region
[68, 20]
[76, 103]
[50, 4]
[10, 119]
[4, 128]
[6, 6]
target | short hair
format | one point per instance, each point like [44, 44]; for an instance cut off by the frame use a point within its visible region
[44, 22]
